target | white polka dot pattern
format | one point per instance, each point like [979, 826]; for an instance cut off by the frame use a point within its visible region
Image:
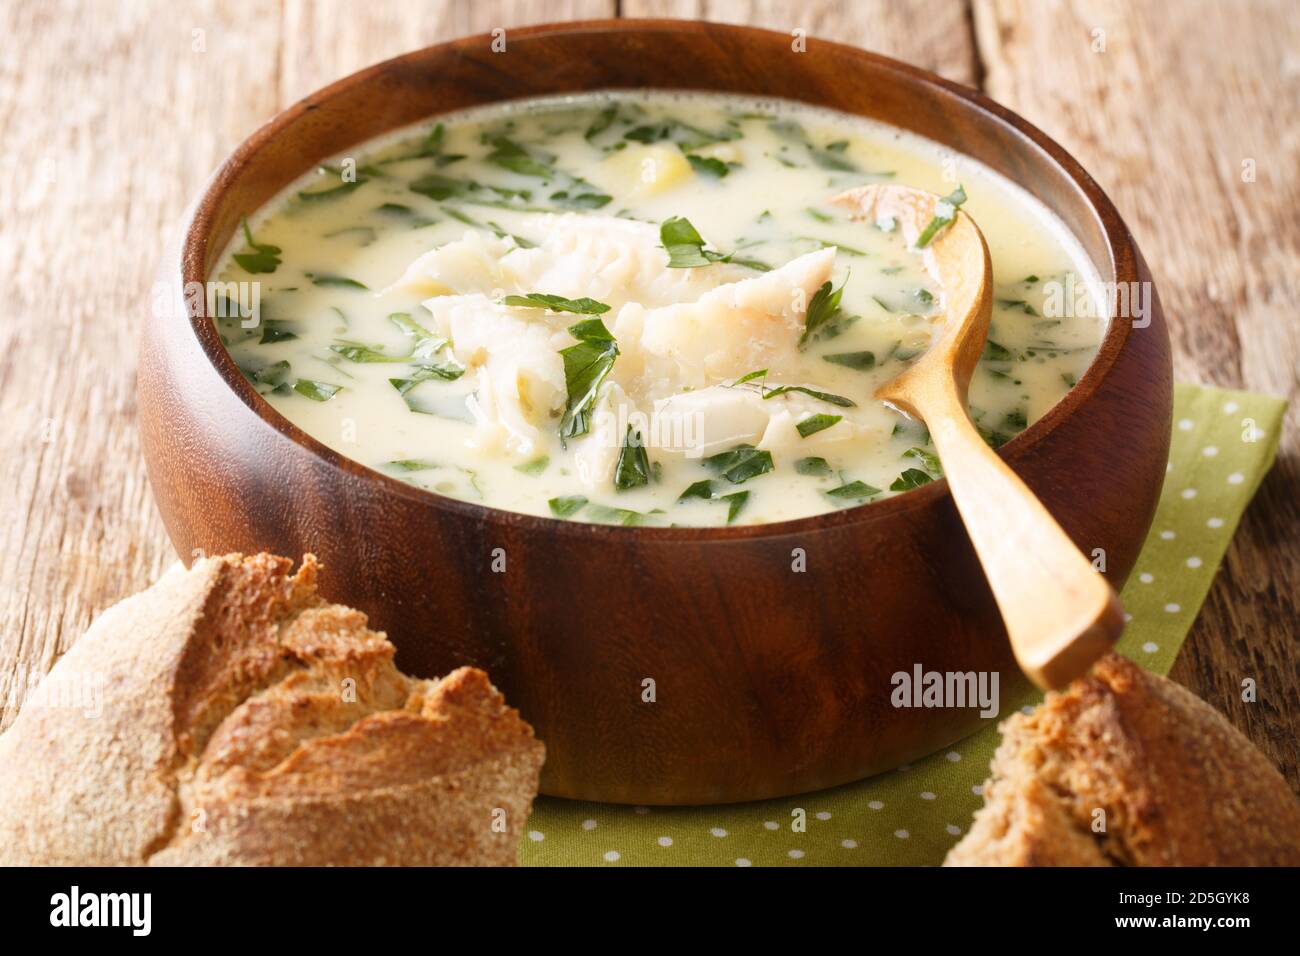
[915, 813]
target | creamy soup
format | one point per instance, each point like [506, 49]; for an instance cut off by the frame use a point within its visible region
[642, 309]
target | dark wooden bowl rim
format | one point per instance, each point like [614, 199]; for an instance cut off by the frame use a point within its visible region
[1117, 240]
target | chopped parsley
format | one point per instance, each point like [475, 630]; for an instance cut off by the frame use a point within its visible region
[740, 463]
[393, 210]
[585, 367]
[316, 391]
[776, 390]
[735, 502]
[684, 245]
[354, 352]
[688, 138]
[426, 343]
[710, 491]
[708, 166]
[508, 154]
[566, 506]
[816, 423]
[996, 353]
[685, 248]
[337, 282]
[851, 491]
[603, 121]
[575, 193]
[275, 330]
[519, 241]
[928, 461]
[440, 187]
[633, 468]
[945, 211]
[263, 259]
[271, 374]
[534, 467]
[909, 479]
[580, 195]
[817, 467]
[557, 303]
[701, 489]
[1020, 304]
[828, 397]
[824, 318]
[829, 157]
[994, 439]
[445, 371]
[604, 514]
[858, 361]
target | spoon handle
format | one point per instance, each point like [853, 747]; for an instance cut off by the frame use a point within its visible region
[1060, 613]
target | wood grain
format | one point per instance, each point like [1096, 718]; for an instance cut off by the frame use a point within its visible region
[329, 39]
[1163, 119]
[109, 133]
[579, 620]
[91, 190]
[933, 34]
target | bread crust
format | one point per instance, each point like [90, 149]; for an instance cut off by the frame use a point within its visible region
[1178, 784]
[244, 720]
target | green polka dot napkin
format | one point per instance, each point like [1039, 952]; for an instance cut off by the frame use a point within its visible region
[1223, 444]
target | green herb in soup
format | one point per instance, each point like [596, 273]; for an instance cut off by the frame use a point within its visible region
[638, 309]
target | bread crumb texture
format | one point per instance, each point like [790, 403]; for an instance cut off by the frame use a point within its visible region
[245, 720]
[1172, 782]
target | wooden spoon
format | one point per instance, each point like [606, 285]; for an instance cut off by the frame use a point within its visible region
[1060, 614]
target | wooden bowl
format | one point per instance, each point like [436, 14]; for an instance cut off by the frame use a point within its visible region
[673, 665]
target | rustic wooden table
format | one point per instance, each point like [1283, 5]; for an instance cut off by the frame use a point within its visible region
[113, 114]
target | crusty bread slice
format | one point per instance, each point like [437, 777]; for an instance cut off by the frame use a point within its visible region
[244, 720]
[1178, 784]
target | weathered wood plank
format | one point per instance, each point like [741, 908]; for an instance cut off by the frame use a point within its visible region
[110, 123]
[1186, 115]
[1164, 117]
[934, 34]
[109, 133]
[324, 41]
